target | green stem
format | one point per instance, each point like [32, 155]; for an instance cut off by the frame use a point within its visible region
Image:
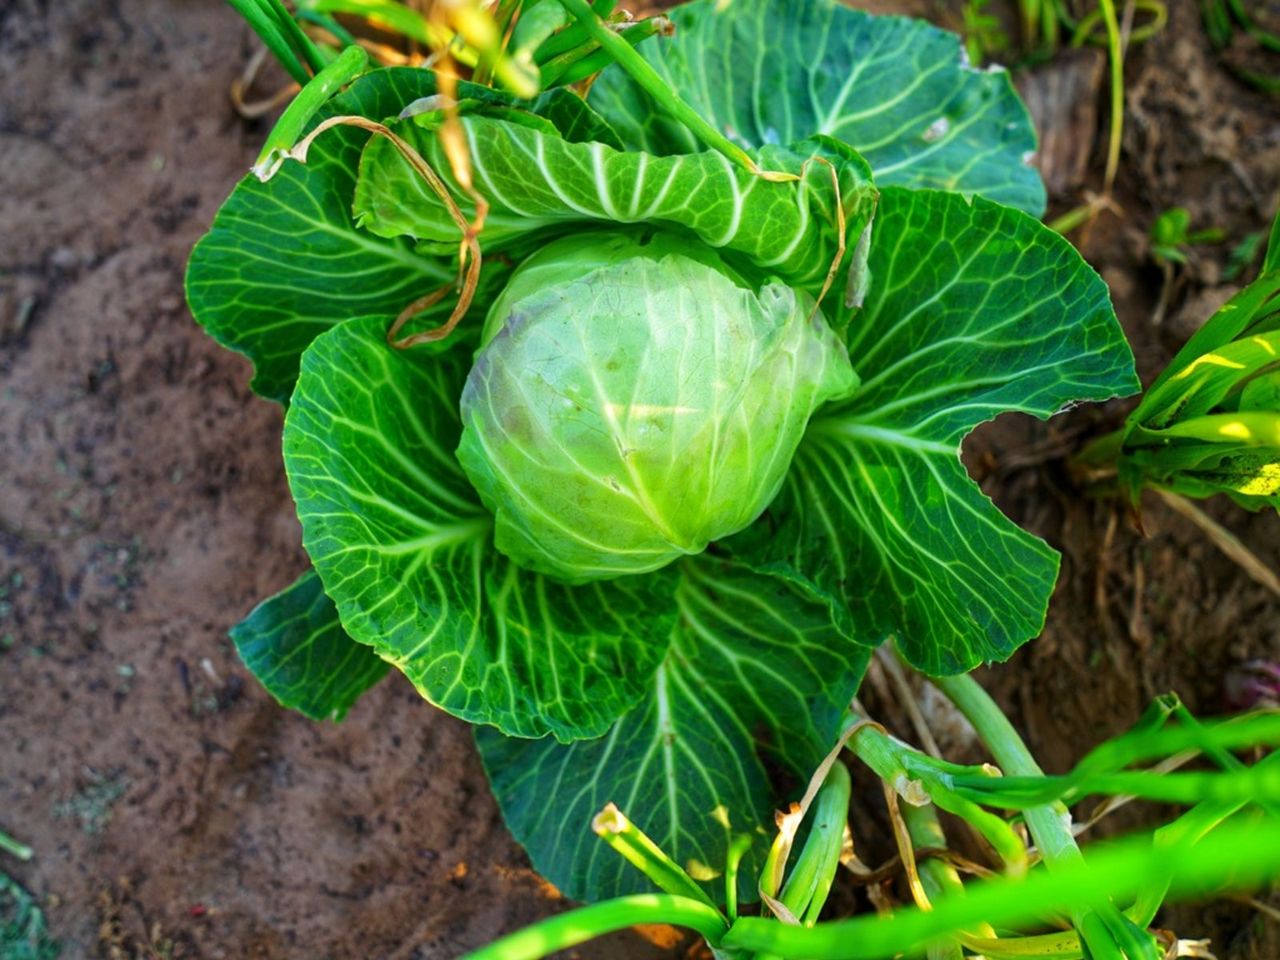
[635, 846]
[938, 877]
[1028, 793]
[1046, 946]
[1264, 37]
[1049, 824]
[1238, 855]
[586, 923]
[577, 65]
[570, 36]
[347, 66]
[908, 772]
[268, 32]
[649, 80]
[1030, 21]
[300, 42]
[536, 26]
[14, 848]
[1219, 752]
[1115, 53]
[738, 848]
[1072, 218]
[809, 882]
[1188, 828]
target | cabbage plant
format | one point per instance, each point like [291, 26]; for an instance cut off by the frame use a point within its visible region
[633, 401]
[631, 439]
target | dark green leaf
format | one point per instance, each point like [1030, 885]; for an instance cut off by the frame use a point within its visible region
[295, 646]
[975, 309]
[405, 550]
[761, 665]
[778, 71]
[24, 934]
[284, 260]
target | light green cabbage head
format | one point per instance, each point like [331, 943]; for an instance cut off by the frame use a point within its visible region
[635, 399]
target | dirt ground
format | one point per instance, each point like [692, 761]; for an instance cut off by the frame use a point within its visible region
[174, 809]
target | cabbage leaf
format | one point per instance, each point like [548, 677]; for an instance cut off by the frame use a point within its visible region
[403, 546]
[899, 91]
[284, 260]
[294, 644]
[758, 658]
[974, 309]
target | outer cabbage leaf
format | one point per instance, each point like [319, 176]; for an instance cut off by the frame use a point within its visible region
[295, 646]
[539, 183]
[761, 665]
[974, 309]
[404, 548]
[284, 260]
[898, 90]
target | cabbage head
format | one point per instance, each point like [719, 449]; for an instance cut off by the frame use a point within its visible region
[634, 398]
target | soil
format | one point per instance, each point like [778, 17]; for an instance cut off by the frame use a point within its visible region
[175, 810]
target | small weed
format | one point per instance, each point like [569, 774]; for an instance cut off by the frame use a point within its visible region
[24, 934]
[91, 806]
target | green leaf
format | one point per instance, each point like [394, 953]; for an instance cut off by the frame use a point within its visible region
[295, 646]
[762, 665]
[1249, 473]
[24, 933]
[1170, 228]
[405, 550]
[974, 309]
[1210, 423]
[1262, 393]
[1254, 311]
[576, 121]
[1210, 380]
[897, 90]
[284, 260]
[539, 183]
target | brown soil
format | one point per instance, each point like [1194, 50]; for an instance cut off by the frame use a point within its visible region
[175, 810]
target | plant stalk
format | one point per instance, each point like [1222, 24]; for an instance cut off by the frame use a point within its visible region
[635, 846]
[298, 39]
[1238, 855]
[913, 776]
[349, 65]
[937, 877]
[1115, 52]
[738, 848]
[268, 31]
[809, 882]
[638, 67]
[587, 923]
[1102, 929]
[14, 848]
[1191, 826]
